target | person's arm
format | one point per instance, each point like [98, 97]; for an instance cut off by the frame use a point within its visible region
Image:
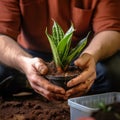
[103, 45]
[11, 54]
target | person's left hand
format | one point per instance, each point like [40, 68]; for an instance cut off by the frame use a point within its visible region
[82, 83]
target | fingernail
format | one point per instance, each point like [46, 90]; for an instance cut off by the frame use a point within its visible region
[62, 92]
[69, 84]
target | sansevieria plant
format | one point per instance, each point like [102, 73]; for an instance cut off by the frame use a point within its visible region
[60, 43]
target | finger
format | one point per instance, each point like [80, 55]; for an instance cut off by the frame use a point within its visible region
[45, 84]
[49, 95]
[84, 59]
[79, 88]
[44, 93]
[81, 78]
[40, 66]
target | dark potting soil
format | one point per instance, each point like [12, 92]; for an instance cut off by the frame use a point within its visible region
[33, 107]
[112, 112]
[71, 71]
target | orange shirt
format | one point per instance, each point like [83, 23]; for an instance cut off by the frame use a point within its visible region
[26, 20]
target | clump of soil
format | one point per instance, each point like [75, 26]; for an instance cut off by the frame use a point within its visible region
[33, 107]
[70, 71]
[112, 113]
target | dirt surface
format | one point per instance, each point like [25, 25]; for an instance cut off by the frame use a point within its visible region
[32, 107]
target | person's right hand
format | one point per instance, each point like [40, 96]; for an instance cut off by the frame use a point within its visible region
[35, 68]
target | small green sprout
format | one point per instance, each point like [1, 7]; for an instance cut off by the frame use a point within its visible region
[60, 43]
[103, 107]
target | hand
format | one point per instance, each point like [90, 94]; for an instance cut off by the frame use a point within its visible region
[82, 83]
[34, 69]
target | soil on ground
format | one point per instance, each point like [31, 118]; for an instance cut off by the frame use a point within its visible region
[32, 107]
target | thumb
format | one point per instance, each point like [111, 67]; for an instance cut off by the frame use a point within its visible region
[82, 60]
[41, 68]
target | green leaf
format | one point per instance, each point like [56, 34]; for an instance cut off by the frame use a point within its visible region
[64, 45]
[104, 107]
[54, 50]
[57, 33]
[77, 50]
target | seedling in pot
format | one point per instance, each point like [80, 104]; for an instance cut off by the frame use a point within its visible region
[60, 43]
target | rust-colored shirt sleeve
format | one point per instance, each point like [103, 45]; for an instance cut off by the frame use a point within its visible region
[107, 16]
[9, 18]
